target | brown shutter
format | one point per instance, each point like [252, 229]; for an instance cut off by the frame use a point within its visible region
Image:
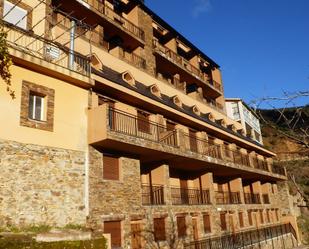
[206, 220]
[241, 219]
[143, 123]
[159, 229]
[110, 168]
[261, 216]
[193, 141]
[181, 226]
[250, 218]
[223, 221]
[114, 229]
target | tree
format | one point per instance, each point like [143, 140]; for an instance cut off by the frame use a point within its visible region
[5, 61]
[295, 121]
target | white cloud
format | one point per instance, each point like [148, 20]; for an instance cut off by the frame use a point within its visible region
[201, 6]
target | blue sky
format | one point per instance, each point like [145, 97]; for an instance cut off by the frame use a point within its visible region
[262, 46]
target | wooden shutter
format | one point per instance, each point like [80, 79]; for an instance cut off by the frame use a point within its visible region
[181, 226]
[241, 219]
[110, 168]
[159, 229]
[223, 221]
[143, 123]
[206, 220]
[250, 218]
[193, 141]
[136, 237]
[261, 216]
[114, 229]
[268, 215]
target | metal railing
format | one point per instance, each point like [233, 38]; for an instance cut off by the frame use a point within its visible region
[252, 198]
[265, 198]
[278, 169]
[116, 18]
[200, 146]
[37, 46]
[176, 58]
[131, 125]
[227, 197]
[245, 239]
[152, 194]
[133, 58]
[189, 196]
[259, 164]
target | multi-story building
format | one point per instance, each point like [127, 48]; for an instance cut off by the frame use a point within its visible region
[119, 125]
[238, 110]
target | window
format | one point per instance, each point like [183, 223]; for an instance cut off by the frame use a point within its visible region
[159, 229]
[241, 219]
[207, 226]
[235, 111]
[223, 221]
[114, 229]
[181, 226]
[14, 15]
[110, 168]
[36, 106]
[268, 215]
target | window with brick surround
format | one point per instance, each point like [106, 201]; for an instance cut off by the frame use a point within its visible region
[206, 221]
[16, 13]
[111, 170]
[181, 226]
[114, 229]
[37, 106]
[159, 229]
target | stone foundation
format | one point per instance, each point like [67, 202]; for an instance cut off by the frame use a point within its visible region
[40, 185]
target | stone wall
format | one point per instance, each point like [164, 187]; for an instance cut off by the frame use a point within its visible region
[40, 185]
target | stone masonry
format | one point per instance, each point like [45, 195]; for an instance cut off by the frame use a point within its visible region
[40, 185]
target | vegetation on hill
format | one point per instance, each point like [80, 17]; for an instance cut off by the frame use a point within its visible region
[279, 133]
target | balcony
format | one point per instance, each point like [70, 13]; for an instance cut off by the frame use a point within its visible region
[118, 130]
[133, 59]
[278, 170]
[259, 164]
[189, 196]
[38, 47]
[223, 197]
[180, 62]
[152, 194]
[266, 199]
[94, 12]
[252, 198]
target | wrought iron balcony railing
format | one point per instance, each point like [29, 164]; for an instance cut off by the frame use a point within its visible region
[223, 197]
[182, 62]
[189, 196]
[116, 18]
[252, 198]
[152, 194]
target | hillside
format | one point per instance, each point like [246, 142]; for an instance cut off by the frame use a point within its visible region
[279, 137]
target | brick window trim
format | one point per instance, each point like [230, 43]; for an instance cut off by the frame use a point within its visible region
[27, 88]
[21, 5]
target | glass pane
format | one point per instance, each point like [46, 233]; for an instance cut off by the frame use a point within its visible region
[15, 15]
[38, 107]
[31, 103]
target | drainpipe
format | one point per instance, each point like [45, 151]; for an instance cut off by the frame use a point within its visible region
[72, 35]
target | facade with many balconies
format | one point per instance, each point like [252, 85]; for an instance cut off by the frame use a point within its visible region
[119, 124]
